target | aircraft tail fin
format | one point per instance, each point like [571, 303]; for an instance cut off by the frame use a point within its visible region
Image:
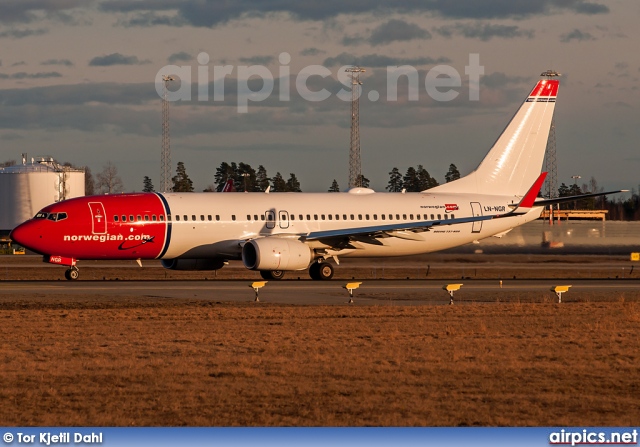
[514, 162]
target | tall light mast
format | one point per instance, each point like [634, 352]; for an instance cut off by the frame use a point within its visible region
[551, 164]
[355, 166]
[165, 158]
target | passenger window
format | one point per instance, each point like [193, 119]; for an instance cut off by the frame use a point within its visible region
[322, 217]
[177, 217]
[404, 217]
[315, 217]
[439, 217]
[146, 218]
[168, 217]
[255, 217]
[248, 216]
[139, 218]
[162, 218]
[425, 217]
[432, 217]
[337, 216]
[217, 217]
[359, 216]
[233, 217]
[202, 217]
[330, 217]
[124, 218]
[186, 218]
[390, 216]
[383, 216]
[344, 217]
[153, 217]
[293, 217]
[262, 217]
[446, 217]
[130, 218]
[366, 217]
[397, 216]
[453, 216]
[375, 217]
[115, 218]
[193, 217]
[300, 217]
[209, 217]
[308, 217]
[352, 217]
[411, 216]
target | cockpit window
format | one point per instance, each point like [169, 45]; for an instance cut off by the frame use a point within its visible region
[52, 216]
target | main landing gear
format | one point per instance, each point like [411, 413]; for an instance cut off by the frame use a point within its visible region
[321, 271]
[272, 274]
[72, 273]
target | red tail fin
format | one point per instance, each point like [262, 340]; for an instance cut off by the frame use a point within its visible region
[228, 187]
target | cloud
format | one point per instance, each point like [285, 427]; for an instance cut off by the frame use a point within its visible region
[24, 75]
[201, 13]
[115, 59]
[17, 64]
[311, 52]
[65, 62]
[396, 30]
[499, 79]
[377, 60]
[182, 56]
[257, 60]
[26, 11]
[484, 31]
[146, 19]
[22, 33]
[578, 35]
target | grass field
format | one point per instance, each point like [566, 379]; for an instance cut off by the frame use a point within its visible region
[129, 361]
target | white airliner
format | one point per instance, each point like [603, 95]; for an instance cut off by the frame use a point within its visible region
[278, 232]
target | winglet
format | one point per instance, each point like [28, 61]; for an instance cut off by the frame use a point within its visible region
[530, 197]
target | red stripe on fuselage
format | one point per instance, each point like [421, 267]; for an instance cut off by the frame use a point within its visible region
[79, 237]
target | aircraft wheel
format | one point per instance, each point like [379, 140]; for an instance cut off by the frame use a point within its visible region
[71, 274]
[325, 271]
[321, 271]
[272, 274]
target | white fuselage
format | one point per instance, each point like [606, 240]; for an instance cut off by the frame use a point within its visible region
[215, 224]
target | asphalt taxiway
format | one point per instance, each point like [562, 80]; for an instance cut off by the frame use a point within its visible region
[307, 292]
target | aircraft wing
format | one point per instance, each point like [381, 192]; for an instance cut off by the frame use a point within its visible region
[545, 202]
[402, 230]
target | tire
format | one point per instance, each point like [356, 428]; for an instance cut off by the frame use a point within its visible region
[71, 274]
[275, 275]
[321, 271]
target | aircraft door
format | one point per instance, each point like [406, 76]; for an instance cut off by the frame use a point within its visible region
[270, 219]
[476, 211]
[283, 217]
[98, 218]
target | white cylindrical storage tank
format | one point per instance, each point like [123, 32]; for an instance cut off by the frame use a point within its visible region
[28, 188]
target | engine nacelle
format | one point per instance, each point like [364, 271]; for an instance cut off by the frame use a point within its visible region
[193, 264]
[274, 253]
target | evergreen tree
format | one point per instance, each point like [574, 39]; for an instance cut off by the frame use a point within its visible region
[224, 172]
[247, 176]
[279, 185]
[452, 174]
[410, 180]
[182, 182]
[425, 181]
[262, 180]
[334, 186]
[89, 182]
[148, 185]
[395, 181]
[293, 185]
[364, 182]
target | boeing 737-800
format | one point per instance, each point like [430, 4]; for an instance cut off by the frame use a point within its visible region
[278, 232]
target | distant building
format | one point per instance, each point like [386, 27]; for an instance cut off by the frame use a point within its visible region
[27, 188]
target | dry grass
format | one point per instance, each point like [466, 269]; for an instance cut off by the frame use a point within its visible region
[134, 361]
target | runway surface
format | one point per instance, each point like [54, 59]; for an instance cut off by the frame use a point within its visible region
[306, 292]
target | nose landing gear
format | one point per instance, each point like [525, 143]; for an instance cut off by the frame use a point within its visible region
[72, 273]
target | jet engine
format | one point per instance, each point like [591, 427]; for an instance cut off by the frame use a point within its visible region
[274, 253]
[193, 264]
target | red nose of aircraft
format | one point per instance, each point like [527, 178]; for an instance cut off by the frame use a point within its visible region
[26, 235]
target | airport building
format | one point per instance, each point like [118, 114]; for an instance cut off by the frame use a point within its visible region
[28, 187]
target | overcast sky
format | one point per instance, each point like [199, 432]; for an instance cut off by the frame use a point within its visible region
[77, 83]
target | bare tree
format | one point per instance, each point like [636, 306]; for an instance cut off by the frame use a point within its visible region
[109, 182]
